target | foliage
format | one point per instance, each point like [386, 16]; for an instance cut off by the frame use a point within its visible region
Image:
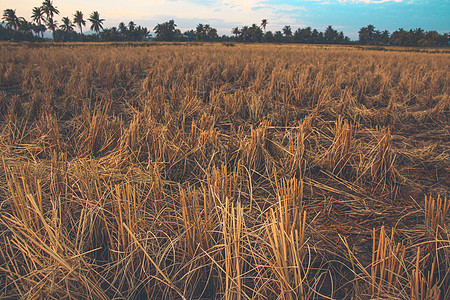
[124, 33]
[78, 20]
[96, 21]
[165, 31]
[205, 33]
[417, 37]
[67, 25]
[11, 19]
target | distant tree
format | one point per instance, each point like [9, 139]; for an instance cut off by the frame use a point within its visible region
[131, 26]
[38, 17]
[39, 29]
[79, 20]
[212, 34]
[264, 23]
[122, 28]
[331, 36]
[11, 19]
[268, 37]
[236, 31]
[96, 22]
[190, 33]
[303, 35]
[245, 33]
[165, 31]
[287, 31]
[433, 38]
[384, 37]
[205, 32]
[142, 32]
[52, 25]
[200, 32]
[256, 33]
[367, 35]
[25, 26]
[399, 37]
[278, 37]
[110, 35]
[50, 10]
[66, 25]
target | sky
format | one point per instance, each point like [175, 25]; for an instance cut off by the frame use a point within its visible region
[344, 15]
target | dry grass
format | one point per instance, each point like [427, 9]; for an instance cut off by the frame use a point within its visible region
[208, 172]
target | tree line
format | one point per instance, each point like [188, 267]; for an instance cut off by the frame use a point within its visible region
[43, 19]
[417, 37]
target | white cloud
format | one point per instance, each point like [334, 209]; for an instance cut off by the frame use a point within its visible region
[244, 4]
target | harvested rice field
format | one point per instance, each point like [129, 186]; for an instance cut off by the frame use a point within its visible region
[224, 171]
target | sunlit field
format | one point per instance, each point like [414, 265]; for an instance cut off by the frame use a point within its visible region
[222, 171]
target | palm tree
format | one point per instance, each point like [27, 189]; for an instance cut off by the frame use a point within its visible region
[200, 31]
[256, 33]
[165, 31]
[264, 24]
[245, 33]
[96, 21]
[131, 26]
[78, 19]
[236, 31]
[122, 28]
[67, 25]
[52, 25]
[38, 17]
[11, 19]
[287, 31]
[25, 26]
[39, 29]
[50, 11]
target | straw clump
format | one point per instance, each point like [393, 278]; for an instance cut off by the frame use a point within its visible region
[212, 172]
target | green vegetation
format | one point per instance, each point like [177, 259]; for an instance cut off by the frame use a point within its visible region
[19, 29]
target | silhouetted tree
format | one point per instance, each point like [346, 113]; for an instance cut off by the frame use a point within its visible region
[122, 28]
[268, 37]
[256, 33]
[50, 11]
[78, 19]
[165, 31]
[10, 19]
[25, 26]
[367, 35]
[264, 23]
[278, 37]
[331, 36]
[52, 25]
[287, 31]
[38, 17]
[39, 29]
[236, 31]
[131, 26]
[66, 25]
[96, 22]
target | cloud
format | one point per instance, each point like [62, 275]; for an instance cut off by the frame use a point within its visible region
[244, 4]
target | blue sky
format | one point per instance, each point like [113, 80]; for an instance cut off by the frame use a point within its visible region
[344, 15]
